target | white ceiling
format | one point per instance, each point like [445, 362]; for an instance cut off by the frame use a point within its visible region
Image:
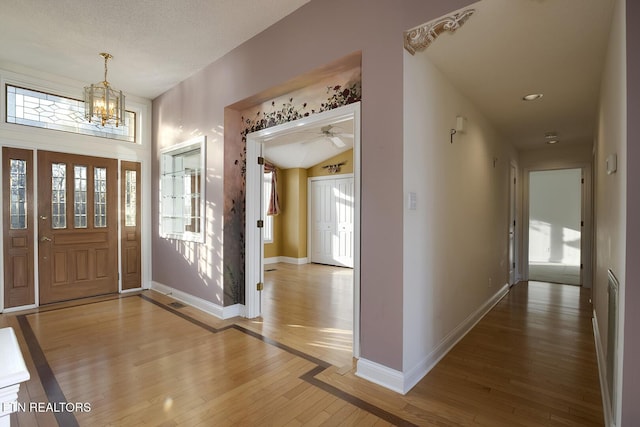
[155, 43]
[506, 49]
[510, 48]
[308, 146]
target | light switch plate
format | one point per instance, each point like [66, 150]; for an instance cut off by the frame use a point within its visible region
[412, 201]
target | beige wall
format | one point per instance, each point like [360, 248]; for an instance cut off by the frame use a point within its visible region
[455, 241]
[611, 191]
[294, 213]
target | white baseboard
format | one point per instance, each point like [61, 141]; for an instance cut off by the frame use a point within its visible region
[199, 303]
[381, 375]
[402, 382]
[286, 260]
[415, 374]
[19, 308]
[602, 372]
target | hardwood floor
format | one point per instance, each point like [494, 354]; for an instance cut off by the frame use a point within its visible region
[138, 361]
[309, 307]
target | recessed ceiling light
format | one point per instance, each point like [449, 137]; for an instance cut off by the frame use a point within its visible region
[532, 97]
[552, 141]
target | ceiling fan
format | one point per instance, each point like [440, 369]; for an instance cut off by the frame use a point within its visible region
[334, 134]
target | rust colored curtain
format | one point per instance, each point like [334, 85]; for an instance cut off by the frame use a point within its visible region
[274, 201]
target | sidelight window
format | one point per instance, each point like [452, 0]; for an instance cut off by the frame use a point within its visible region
[18, 202]
[130, 202]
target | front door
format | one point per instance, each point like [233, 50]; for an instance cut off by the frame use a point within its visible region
[77, 223]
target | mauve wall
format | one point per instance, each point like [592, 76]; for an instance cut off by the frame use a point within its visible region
[316, 34]
[631, 380]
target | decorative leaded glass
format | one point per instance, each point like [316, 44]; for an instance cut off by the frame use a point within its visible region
[80, 196]
[130, 203]
[100, 197]
[59, 195]
[18, 189]
[45, 110]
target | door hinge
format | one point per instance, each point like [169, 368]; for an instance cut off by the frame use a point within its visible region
[581, 266]
[261, 160]
[581, 223]
[582, 181]
[514, 265]
[260, 223]
[259, 286]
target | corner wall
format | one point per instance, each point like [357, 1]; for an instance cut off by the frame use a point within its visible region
[456, 240]
[298, 43]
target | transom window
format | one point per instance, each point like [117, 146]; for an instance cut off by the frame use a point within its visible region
[45, 110]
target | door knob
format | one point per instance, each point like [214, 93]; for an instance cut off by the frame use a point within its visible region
[43, 217]
[45, 239]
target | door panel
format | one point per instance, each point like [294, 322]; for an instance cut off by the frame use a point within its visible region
[131, 230]
[17, 184]
[323, 219]
[344, 198]
[77, 210]
[332, 207]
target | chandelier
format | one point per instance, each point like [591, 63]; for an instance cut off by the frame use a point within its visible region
[102, 102]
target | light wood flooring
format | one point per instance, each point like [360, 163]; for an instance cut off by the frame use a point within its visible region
[138, 361]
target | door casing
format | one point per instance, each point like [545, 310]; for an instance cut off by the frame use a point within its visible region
[254, 267]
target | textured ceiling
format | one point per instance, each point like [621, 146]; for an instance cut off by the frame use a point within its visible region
[155, 43]
[308, 146]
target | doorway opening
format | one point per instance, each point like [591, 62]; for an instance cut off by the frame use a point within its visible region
[292, 148]
[555, 226]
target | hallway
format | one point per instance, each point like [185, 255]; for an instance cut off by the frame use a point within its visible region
[529, 362]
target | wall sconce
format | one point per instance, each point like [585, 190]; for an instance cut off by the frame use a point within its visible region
[461, 126]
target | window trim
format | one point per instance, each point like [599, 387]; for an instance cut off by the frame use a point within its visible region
[198, 143]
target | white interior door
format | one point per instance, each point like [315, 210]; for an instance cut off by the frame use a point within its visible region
[323, 220]
[331, 211]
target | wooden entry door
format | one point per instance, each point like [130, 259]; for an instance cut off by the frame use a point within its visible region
[77, 222]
